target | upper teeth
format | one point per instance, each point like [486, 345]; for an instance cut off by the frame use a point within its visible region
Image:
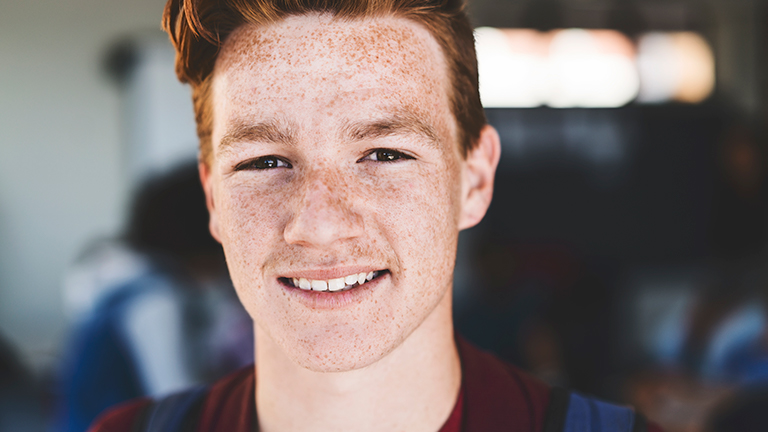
[338, 284]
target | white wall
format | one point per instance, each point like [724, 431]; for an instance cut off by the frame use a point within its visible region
[61, 171]
[158, 117]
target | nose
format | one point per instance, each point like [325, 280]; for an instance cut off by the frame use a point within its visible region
[323, 213]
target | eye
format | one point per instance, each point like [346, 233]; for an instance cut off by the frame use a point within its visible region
[386, 155]
[263, 163]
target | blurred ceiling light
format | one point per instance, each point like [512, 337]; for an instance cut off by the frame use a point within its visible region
[675, 66]
[591, 68]
[512, 64]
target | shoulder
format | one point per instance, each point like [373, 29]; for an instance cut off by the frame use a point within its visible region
[122, 417]
[500, 396]
[227, 405]
[231, 405]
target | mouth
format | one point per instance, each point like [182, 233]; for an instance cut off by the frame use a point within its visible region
[335, 285]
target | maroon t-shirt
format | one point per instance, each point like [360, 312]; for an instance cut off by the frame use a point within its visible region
[494, 397]
[230, 407]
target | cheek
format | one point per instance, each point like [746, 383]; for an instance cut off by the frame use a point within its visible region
[419, 218]
[245, 212]
[249, 221]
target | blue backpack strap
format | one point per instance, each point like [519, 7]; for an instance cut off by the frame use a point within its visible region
[573, 412]
[592, 415]
[174, 412]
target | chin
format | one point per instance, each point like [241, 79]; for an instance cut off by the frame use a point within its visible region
[340, 351]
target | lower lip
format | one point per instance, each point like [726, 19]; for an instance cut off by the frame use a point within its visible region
[334, 300]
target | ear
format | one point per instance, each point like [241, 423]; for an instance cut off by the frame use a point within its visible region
[207, 181]
[477, 177]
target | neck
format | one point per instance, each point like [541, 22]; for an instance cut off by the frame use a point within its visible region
[412, 388]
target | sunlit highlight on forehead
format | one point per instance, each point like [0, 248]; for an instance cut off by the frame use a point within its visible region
[354, 43]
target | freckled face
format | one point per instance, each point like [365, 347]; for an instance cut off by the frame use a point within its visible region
[335, 153]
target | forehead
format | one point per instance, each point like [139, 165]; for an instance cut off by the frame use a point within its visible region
[321, 64]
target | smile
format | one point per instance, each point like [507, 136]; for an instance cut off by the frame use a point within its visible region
[333, 285]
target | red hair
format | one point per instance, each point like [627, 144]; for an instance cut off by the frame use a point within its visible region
[198, 29]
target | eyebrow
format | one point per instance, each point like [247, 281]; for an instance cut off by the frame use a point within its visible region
[400, 123]
[271, 131]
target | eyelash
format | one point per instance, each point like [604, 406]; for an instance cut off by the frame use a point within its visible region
[251, 164]
[396, 155]
[276, 162]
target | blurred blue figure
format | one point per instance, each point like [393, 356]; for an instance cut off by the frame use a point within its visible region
[738, 354]
[158, 312]
[720, 335]
[738, 350]
[711, 354]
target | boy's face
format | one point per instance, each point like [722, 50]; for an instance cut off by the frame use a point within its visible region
[336, 155]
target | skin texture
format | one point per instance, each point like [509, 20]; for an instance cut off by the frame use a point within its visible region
[317, 97]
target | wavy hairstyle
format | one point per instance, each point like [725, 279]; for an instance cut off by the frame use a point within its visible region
[198, 29]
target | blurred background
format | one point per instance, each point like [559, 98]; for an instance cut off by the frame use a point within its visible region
[624, 254]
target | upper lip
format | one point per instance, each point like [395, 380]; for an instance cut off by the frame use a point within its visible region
[330, 273]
